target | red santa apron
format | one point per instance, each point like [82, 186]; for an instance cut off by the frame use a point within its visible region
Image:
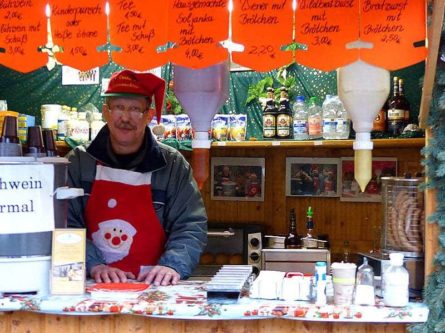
[121, 219]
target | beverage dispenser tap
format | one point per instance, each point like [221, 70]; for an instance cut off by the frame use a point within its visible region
[363, 88]
[201, 92]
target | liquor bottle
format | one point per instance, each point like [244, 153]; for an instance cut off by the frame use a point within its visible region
[269, 116]
[284, 116]
[404, 102]
[292, 241]
[379, 123]
[396, 112]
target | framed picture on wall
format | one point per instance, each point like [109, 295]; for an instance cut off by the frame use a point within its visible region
[381, 167]
[236, 178]
[312, 176]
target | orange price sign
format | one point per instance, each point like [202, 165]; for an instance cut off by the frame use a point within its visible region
[22, 32]
[196, 28]
[325, 31]
[263, 27]
[79, 28]
[138, 28]
[393, 26]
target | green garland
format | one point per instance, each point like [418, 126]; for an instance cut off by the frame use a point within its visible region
[434, 293]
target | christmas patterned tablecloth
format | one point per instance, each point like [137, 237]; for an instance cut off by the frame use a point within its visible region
[188, 300]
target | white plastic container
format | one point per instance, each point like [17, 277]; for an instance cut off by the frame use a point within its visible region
[50, 115]
[20, 269]
[395, 282]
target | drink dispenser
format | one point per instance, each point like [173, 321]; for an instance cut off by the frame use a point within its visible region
[363, 89]
[201, 92]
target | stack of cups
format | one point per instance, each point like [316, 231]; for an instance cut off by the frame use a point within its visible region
[49, 142]
[343, 278]
[35, 143]
[9, 140]
[50, 115]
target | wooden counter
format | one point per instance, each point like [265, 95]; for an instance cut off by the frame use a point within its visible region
[25, 322]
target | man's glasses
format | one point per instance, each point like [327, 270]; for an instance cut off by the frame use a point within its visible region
[118, 110]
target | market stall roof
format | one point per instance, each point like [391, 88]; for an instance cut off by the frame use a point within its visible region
[317, 34]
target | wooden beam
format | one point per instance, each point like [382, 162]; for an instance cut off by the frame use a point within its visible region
[431, 229]
[433, 41]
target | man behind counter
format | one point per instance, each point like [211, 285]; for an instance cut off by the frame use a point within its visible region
[143, 212]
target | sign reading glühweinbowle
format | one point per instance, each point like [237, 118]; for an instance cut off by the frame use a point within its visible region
[26, 198]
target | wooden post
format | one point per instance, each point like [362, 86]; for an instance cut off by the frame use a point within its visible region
[434, 33]
[431, 229]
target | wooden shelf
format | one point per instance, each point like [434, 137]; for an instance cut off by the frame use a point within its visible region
[378, 143]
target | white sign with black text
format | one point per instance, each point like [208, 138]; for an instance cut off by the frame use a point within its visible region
[72, 76]
[26, 198]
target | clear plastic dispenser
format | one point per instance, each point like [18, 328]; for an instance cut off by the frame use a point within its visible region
[201, 92]
[364, 290]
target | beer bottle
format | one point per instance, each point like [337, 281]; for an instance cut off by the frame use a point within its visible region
[270, 116]
[292, 240]
[284, 116]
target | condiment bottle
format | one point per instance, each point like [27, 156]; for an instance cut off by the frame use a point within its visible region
[364, 289]
[395, 282]
[320, 283]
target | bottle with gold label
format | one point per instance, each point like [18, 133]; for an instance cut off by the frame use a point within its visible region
[270, 116]
[396, 111]
[284, 116]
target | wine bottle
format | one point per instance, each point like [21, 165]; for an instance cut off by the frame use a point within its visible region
[292, 240]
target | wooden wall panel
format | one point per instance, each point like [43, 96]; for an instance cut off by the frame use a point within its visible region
[358, 222]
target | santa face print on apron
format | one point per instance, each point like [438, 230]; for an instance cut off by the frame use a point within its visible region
[121, 219]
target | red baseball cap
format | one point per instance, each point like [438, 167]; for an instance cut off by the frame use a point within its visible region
[129, 83]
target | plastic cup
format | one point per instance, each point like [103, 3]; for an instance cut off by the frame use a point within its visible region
[34, 141]
[343, 278]
[49, 142]
[10, 130]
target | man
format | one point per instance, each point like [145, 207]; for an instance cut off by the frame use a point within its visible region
[143, 212]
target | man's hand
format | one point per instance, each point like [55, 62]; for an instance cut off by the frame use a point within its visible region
[104, 273]
[160, 275]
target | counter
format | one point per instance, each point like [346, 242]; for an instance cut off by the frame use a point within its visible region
[188, 300]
